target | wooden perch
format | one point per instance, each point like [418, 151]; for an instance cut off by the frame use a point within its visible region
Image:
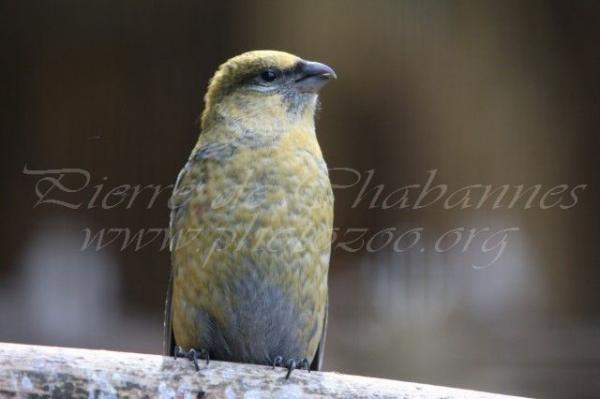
[66, 372]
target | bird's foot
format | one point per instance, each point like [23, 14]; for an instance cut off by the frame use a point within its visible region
[291, 364]
[192, 354]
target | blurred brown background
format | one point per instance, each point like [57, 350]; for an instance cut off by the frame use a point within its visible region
[483, 92]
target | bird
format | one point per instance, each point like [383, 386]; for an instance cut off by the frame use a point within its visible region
[251, 220]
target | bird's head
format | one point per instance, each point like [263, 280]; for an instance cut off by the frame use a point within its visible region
[264, 88]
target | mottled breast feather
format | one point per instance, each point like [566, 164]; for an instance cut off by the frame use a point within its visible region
[251, 224]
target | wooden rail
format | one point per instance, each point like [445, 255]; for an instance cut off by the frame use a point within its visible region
[34, 371]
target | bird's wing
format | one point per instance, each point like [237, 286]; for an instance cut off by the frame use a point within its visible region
[176, 204]
[190, 177]
[317, 362]
[169, 339]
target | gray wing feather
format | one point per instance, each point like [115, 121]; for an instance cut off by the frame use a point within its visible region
[176, 206]
[169, 339]
[180, 197]
[317, 362]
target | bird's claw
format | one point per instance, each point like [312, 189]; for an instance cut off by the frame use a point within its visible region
[277, 362]
[291, 365]
[304, 364]
[192, 354]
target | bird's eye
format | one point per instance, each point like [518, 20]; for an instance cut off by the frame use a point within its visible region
[268, 75]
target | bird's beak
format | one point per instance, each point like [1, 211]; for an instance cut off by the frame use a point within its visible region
[311, 76]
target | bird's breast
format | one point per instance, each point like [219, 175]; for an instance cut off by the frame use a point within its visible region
[264, 219]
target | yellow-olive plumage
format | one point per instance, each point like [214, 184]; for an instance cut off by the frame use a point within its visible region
[252, 216]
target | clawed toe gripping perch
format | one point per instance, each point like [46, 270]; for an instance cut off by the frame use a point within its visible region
[192, 354]
[290, 365]
[195, 354]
